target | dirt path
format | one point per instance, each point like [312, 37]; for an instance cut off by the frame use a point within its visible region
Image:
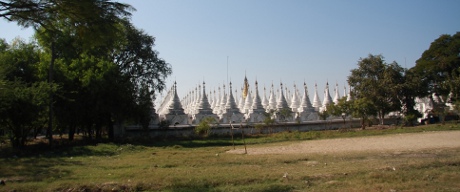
[397, 142]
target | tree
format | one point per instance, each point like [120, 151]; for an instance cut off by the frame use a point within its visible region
[439, 67]
[411, 87]
[377, 82]
[23, 95]
[102, 86]
[363, 108]
[205, 125]
[93, 21]
[342, 108]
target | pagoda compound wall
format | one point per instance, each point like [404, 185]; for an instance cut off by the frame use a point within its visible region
[186, 131]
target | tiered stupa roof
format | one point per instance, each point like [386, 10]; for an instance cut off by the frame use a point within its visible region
[248, 102]
[327, 97]
[295, 103]
[265, 100]
[175, 106]
[203, 106]
[230, 105]
[316, 101]
[305, 103]
[272, 100]
[257, 103]
[282, 103]
[336, 94]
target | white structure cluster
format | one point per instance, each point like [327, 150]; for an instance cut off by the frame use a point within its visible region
[249, 105]
[282, 104]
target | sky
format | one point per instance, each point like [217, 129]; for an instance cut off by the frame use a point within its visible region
[274, 41]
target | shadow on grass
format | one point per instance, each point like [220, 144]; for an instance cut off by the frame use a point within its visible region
[38, 162]
[35, 169]
[207, 187]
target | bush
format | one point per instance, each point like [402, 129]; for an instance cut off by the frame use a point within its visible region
[204, 127]
[164, 124]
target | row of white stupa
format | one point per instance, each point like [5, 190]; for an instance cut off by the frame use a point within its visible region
[223, 106]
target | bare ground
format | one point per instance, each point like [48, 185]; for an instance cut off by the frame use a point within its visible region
[396, 142]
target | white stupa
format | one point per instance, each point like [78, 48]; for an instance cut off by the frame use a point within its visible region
[223, 101]
[257, 103]
[306, 110]
[295, 103]
[203, 108]
[327, 98]
[336, 94]
[316, 101]
[349, 98]
[281, 103]
[247, 103]
[265, 100]
[216, 107]
[231, 114]
[174, 112]
[272, 100]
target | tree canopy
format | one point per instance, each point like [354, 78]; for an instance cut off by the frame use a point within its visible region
[438, 69]
[378, 83]
[94, 65]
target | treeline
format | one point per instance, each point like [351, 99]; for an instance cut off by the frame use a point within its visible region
[88, 68]
[379, 88]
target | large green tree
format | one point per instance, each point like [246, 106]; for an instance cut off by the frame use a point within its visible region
[377, 82]
[438, 69]
[115, 81]
[93, 21]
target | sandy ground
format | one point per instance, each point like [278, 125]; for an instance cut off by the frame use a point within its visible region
[397, 142]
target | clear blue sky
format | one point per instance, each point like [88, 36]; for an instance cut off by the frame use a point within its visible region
[289, 41]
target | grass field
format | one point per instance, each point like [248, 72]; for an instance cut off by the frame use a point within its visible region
[204, 165]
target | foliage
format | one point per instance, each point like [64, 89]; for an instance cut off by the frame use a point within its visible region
[93, 21]
[410, 119]
[378, 83]
[284, 114]
[164, 124]
[105, 67]
[363, 108]
[438, 69]
[205, 126]
[342, 107]
[323, 115]
[23, 96]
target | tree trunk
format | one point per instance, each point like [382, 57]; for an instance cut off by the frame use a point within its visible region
[381, 117]
[90, 132]
[110, 128]
[98, 132]
[49, 131]
[72, 132]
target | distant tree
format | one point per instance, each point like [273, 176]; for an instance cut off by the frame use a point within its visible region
[323, 115]
[363, 108]
[377, 82]
[342, 108]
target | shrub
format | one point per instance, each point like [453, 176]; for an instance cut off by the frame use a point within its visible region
[204, 127]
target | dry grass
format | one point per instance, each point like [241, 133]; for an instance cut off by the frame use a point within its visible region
[196, 166]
